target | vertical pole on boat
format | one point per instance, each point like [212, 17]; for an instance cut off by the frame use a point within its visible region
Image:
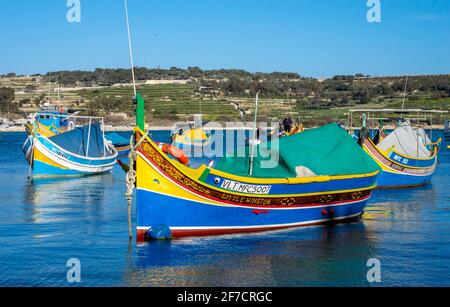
[140, 111]
[140, 122]
[417, 133]
[404, 95]
[130, 47]
[252, 145]
[103, 135]
[89, 137]
[431, 129]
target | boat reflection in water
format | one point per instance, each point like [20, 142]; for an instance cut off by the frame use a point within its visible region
[385, 206]
[309, 256]
[63, 200]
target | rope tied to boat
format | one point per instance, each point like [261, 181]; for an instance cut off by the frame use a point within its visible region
[131, 176]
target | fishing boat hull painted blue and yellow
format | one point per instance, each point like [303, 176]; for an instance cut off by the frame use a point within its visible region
[208, 201]
[68, 154]
[399, 169]
[191, 140]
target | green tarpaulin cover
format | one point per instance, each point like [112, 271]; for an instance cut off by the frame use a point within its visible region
[328, 150]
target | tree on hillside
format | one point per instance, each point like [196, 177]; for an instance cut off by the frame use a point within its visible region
[6, 100]
[30, 88]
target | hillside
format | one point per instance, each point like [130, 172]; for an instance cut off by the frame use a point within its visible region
[224, 95]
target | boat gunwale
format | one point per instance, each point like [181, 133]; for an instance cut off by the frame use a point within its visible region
[434, 157]
[115, 153]
[105, 165]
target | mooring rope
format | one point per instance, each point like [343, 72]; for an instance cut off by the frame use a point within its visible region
[131, 177]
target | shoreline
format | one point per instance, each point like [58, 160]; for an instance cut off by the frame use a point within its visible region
[169, 128]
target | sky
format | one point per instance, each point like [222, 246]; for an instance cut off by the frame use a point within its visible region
[315, 38]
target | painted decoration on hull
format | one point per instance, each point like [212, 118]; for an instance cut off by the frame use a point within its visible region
[397, 174]
[186, 200]
[78, 152]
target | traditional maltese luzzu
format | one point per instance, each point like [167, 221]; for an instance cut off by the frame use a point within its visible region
[407, 156]
[77, 151]
[322, 176]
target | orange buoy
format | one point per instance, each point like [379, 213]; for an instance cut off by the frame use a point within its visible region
[175, 152]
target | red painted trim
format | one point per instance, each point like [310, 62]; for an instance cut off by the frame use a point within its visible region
[123, 148]
[140, 233]
[407, 170]
[250, 205]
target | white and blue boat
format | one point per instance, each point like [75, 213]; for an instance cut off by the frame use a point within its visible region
[407, 156]
[82, 150]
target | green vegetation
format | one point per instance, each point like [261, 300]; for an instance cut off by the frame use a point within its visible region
[6, 100]
[227, 94]
[169, 101]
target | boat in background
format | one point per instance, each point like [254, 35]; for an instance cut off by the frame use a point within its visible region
[52, 120]
[190, 138]
[121, 143]
[78, 151]
[407, 156]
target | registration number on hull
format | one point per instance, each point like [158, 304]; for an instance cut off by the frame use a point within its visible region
[245, 188]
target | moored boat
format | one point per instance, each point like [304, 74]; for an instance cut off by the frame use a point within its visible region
[407, 156]
[314, 183]
[190, 139]
[82, 150]
[320, 176]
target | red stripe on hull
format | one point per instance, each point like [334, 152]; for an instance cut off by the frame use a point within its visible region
[246, 205]
[141, 233]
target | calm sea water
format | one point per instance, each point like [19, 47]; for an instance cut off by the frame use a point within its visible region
[44, 224]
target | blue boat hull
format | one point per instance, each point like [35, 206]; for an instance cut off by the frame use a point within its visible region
[398, 171]
[189, 218]
[48, 160]
[392, 180]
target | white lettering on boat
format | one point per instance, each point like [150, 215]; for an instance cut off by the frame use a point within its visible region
[245, 188]
[400, 159]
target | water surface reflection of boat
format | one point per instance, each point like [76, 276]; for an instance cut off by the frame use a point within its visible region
[312, 256]
[58, 200]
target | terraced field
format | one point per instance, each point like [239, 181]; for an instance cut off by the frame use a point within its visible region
[167, 103]
[168, 100]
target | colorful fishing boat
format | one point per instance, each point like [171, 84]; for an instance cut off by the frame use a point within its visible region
[121, 143]
[189, 139]
[407, 156]
[81, 150]
[314, 183]
[52, 120]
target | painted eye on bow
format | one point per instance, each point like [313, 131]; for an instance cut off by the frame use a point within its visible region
[216, 180]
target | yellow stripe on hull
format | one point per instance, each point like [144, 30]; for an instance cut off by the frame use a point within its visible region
[386, 154]
[253, 180]
[149, 179]
[39, 156]
[380, 164]
[146, 179]
[45, 131]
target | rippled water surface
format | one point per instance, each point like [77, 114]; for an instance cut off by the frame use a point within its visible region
[43, 224]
